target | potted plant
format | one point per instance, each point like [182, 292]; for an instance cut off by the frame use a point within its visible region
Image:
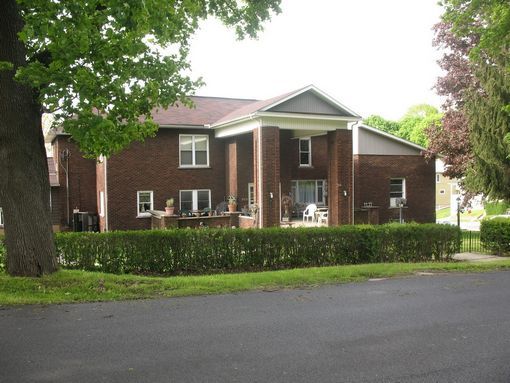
[169, 209]
[232, 203]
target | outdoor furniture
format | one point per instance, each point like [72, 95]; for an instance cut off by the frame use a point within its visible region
[321, 215]
[309, 212]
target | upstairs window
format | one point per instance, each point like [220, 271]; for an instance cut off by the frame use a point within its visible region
[305, 152]
[145, 202]
[397, 190]
[194, 150]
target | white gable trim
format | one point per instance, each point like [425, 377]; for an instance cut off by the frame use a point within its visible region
[318, 92]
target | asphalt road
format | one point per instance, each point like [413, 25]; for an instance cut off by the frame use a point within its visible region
[441, 328]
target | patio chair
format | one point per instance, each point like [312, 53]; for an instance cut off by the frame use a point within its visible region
[309, 212]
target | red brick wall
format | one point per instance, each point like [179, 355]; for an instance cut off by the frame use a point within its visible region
[340, 177]
[154, 165]
[372, 184]
[82, 179]
[270, 175]
[289, 160]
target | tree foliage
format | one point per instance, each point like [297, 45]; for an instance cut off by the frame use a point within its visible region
[412, 126]
[475, 133]
[101, 67]
[98, 64]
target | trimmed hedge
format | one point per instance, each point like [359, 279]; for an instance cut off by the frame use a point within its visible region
[185, 251]
[495, 235]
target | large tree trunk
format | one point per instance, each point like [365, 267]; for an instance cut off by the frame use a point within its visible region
[24, 182]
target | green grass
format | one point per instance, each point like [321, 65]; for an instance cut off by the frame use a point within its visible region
[443, 213]
[68, 286]
[467, 216]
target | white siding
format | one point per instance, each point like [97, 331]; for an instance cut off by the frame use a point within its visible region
[309, 102]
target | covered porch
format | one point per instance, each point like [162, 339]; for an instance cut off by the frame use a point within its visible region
[287, 155]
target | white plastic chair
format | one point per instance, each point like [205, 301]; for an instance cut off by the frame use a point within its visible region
[309, 212]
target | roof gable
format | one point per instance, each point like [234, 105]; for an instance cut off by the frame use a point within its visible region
[309, 102]
[370, 140]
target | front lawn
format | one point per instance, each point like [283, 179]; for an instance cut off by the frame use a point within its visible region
[68, 286]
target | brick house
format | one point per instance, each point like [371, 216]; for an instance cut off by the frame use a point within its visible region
[299, 144]
[386, 169]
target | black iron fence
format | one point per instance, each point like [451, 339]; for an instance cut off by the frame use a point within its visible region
[471, 242]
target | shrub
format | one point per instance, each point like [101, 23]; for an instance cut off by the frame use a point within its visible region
[496, 208]
[181, 251]
[495, 235]
[187, 251]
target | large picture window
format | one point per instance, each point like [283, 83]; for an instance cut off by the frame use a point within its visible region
[194, 150]
[305, 152]
[397, 190]
[145, 202]
[195, 199]
[308, 191]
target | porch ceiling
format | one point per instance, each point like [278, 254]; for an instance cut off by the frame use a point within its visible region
[302, 125]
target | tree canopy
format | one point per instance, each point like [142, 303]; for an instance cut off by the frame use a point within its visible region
[412, 126]
[98, 64]
[101, 67]
[475, 134]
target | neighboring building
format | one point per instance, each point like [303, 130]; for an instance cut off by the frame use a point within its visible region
[298, 144]
[388, 168]
[447, 189]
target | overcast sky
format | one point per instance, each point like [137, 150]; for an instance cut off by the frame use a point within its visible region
[375, 57]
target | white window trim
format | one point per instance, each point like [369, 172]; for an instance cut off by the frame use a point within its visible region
[193, 156]
[324, 191]
[404, 194]
[1, 217]
[138, 213]
[194, 198]
[251, 194]
[309, 164]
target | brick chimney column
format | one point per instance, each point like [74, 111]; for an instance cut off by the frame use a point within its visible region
[340, 186]
[266, 174]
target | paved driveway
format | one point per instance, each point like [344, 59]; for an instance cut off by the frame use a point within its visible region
[440, 328]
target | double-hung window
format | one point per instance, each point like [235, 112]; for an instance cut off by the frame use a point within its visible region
[305, 152]
[195, 199]
[194, 150]
[145, 202]
[397, 190]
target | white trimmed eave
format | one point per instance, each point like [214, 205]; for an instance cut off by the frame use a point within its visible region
[285, 121]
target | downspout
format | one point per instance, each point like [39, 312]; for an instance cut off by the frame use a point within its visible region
[261, 197]
[64, 156]
[105, 195]
[353, 177]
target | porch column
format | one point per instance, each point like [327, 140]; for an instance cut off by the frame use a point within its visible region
[266, 174]
[231, 169]
[340, 177]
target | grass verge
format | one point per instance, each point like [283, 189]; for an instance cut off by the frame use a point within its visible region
[69, 286]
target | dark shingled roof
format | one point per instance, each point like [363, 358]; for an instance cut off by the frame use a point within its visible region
[207, 110]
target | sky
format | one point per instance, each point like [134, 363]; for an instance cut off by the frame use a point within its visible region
[373, 56]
